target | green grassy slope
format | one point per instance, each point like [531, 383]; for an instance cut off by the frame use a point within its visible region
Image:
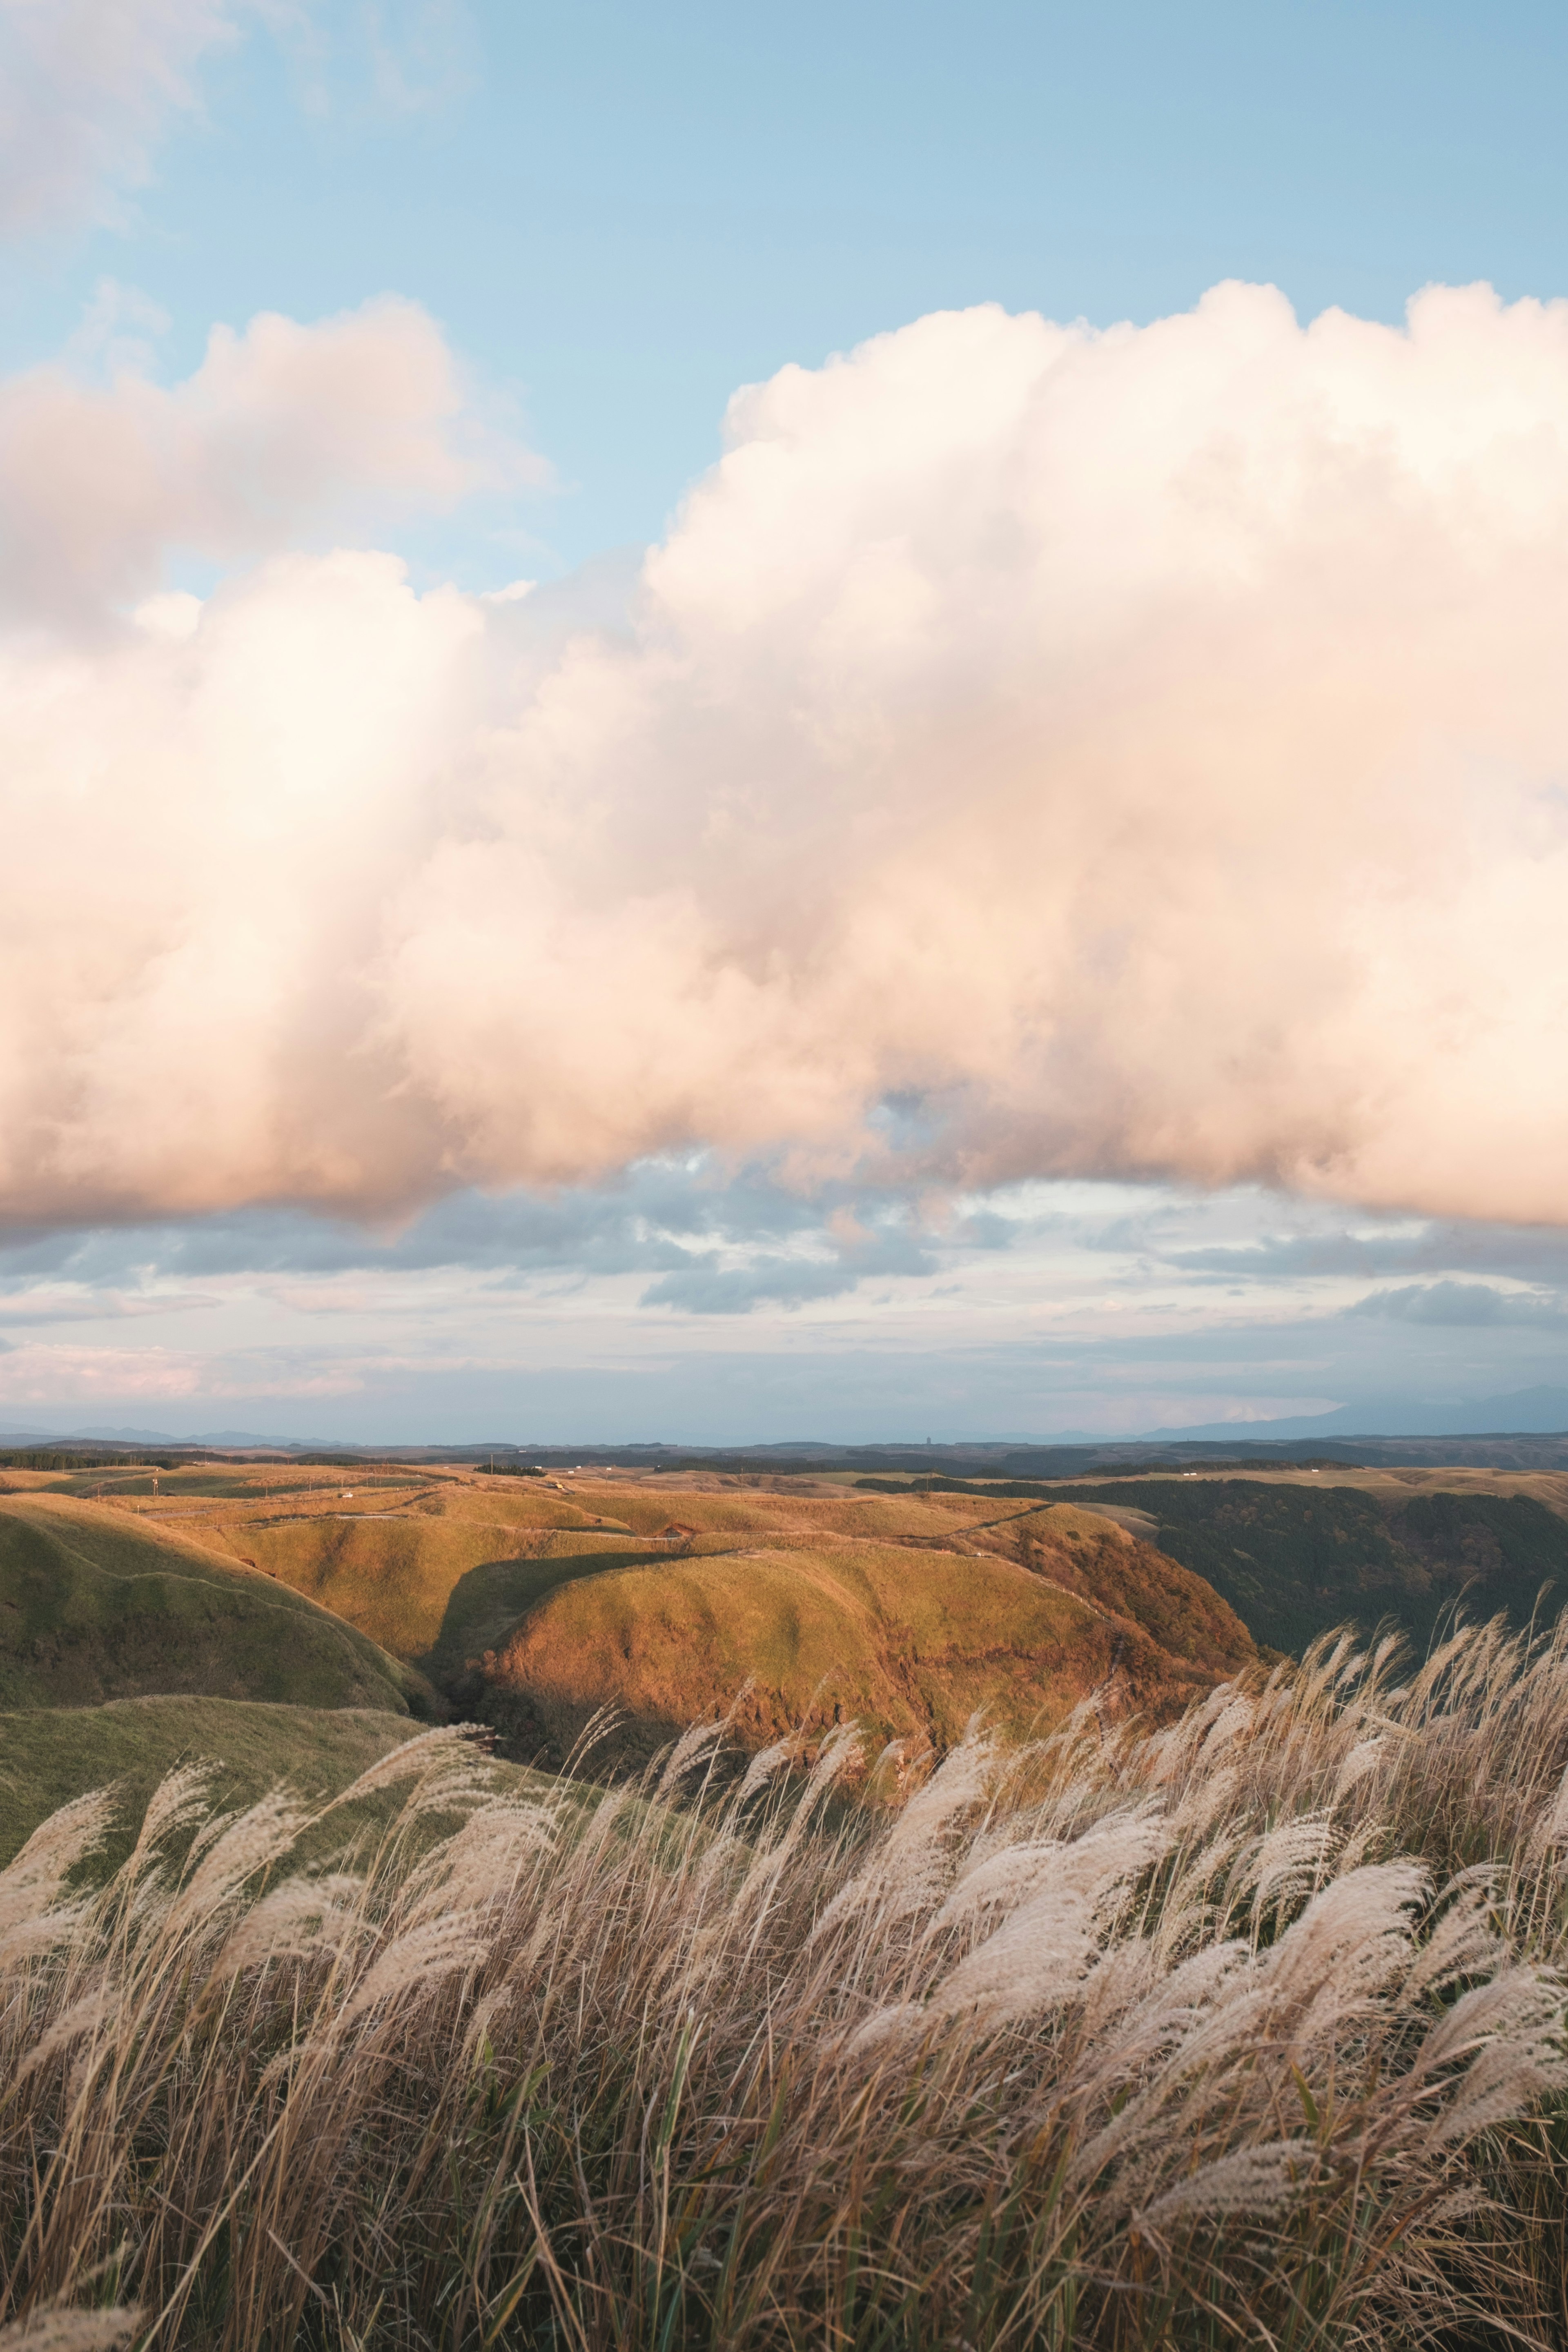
[1294, 1560]
[50, 1755]
[97, 1606]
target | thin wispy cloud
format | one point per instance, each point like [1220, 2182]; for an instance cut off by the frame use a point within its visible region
[87, 90]
[1463, 1303]
[90, 89]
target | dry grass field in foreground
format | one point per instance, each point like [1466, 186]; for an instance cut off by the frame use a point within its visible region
[1246, 2030]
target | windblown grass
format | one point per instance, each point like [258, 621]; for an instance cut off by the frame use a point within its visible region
[1247, 2032]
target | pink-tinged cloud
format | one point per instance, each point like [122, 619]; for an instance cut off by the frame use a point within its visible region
[1138, 752]
[46, 1374]
[281, 429]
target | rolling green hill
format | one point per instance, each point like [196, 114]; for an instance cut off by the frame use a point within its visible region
[388, 1565]
[50, 1755]
[535, 1607]
[906, 1613]
[96, 1606]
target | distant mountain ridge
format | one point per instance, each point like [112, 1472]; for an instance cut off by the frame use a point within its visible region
[1536, 1412]
[1520, 1413]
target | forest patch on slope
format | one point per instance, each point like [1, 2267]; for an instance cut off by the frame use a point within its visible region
[1294, 1561]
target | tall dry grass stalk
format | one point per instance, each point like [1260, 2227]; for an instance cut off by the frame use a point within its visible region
[1246, 2031]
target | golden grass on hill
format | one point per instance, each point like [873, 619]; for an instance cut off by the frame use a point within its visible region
[904, 1613]
[95, 1605]
[537, 1606]
[385, 1562]
[391, 1578]
[910, 1642]
[1246, 2031]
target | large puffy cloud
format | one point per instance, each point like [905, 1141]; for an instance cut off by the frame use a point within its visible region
[1033, 751]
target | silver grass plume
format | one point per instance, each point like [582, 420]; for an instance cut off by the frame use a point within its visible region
[55, 2330]
[1248, 2180]
[450, 1771]
[32, 1916]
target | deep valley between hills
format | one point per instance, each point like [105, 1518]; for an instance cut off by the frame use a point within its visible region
[617, 1609]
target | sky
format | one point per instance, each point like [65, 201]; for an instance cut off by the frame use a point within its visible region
[730, 725]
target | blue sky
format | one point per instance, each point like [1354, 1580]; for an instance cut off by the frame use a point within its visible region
[616, 218]
[620, 214]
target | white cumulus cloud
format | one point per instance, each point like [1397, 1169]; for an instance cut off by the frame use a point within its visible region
[1033, 751]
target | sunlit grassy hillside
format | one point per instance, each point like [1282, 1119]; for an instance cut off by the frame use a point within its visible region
[909, 1642]
[536, 1605]
[907, 1613]
[96, 1606]
[388, 1562]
